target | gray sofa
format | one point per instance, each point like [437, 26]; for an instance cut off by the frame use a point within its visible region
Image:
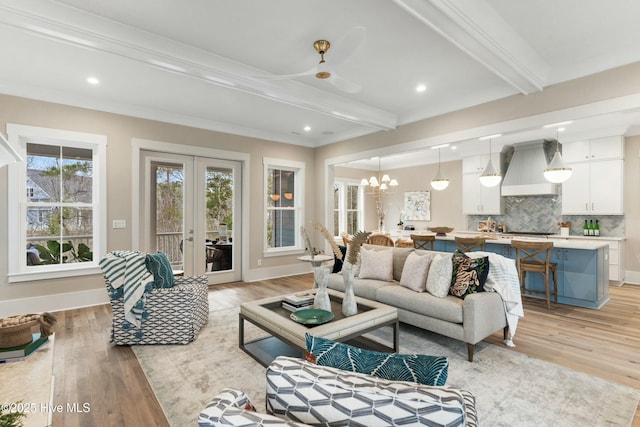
[470, 320]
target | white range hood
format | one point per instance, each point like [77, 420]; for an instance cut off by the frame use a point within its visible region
[525, 173]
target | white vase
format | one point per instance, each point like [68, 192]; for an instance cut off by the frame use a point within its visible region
[349, 306]
[321, 277]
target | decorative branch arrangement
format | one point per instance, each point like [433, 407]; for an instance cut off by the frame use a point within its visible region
[308, 247]
[329, 238]
[354, 247]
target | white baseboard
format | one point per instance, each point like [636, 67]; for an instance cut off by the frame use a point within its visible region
[632, 277]
[54, 302]
[275, 272]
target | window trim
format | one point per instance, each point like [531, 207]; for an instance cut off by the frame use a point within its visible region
[18, 136]
[342, 209]
[299, 170]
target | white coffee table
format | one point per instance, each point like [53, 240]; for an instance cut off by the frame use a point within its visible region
[287, 337]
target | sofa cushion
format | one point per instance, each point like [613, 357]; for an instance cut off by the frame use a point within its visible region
[439, 276]
[414, 272]
[159, 266]
[376, 264]
[448, 309]
[321, 395]
[417, 368]
[469, 274]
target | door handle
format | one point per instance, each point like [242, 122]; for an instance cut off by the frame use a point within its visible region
[190, 239]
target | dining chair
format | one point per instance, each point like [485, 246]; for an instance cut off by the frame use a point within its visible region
[380, 240]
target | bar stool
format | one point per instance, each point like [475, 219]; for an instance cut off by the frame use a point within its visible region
[528, 259]
[470, 244]
[425, 242]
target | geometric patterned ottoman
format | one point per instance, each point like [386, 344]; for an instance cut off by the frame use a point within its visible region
[307, 393]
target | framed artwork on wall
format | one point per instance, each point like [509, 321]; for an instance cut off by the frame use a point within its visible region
[417, 205]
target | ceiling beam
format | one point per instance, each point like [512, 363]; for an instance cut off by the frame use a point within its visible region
[475, 28]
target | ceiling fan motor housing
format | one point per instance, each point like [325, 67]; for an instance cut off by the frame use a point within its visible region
[322, 46]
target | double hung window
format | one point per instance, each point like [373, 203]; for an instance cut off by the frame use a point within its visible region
[284, 181]
[57, 226]
[347, 206]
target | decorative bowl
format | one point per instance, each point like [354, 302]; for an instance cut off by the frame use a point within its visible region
[441, 231]
[311, 316]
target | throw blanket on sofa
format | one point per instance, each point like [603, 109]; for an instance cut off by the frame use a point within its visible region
[503, 279]
[127, 270]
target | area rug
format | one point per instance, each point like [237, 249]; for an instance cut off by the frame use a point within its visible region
[29, 381]
[511, 389]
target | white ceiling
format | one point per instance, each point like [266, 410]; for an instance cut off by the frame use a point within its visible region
[203, 62]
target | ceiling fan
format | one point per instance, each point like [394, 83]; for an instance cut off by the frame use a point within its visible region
[347, 46]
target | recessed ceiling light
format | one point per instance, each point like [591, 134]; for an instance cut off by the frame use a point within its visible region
[93, 80]
[307, 128]
[421, 87]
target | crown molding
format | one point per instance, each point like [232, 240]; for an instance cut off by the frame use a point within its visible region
[475, 28]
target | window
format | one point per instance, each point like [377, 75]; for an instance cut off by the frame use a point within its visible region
[59, 187]
[347, 202]
[284, 182]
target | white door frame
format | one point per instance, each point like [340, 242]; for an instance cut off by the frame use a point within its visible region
[167, 147]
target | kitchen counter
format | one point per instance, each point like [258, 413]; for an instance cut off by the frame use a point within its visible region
[582, 264]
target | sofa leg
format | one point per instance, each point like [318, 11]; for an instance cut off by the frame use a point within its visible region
[470, 348]
[506, 332]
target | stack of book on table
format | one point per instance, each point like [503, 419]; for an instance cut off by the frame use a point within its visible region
[13, 354]
[295, 302]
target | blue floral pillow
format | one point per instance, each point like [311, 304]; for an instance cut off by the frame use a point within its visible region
[417, 368]
[159, 265]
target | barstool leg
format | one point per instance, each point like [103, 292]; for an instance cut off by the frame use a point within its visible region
[546, 289]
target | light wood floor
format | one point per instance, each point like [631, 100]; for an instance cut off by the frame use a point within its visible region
[603, 343]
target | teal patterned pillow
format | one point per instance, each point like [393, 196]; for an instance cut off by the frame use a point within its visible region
[159, 265]
[417, 368]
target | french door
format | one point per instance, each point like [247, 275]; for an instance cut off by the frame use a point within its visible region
[191, 211]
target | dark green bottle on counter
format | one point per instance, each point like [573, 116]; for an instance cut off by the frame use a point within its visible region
[585, 228]
[591, 228]
[596, 230]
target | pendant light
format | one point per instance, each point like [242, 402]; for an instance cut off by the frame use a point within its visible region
[490, 177]
[439, 182]
[382, 184]
[557, 171]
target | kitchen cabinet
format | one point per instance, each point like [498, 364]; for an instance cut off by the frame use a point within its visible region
[476, 198]
[583, 279]
[610, 147]
[596, 185]
[616, 254]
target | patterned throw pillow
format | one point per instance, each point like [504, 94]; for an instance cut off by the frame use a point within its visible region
[439, 277]
[376, 264]
[417, 368]
[414, 272]
[469, 274]
[337, 263]
[159, 265]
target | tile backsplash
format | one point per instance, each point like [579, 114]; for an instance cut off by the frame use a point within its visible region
[543, 213]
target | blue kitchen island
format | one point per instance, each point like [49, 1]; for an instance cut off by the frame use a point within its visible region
[583, 267]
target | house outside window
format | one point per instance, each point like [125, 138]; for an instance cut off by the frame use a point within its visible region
[61, 216]
[347, 202]
[284, 181]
